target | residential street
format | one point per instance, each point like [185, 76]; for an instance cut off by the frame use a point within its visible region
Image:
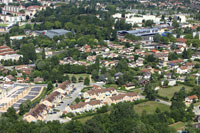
[67, 101]
[163, 102]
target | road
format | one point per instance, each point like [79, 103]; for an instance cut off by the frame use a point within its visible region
[67, 101]
[12, 67]
[163, 102]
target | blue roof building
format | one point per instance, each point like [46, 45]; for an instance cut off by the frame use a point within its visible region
[165, 33]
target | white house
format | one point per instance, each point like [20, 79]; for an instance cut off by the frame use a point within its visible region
[117, 15]
[135, 19]
[190, 99]
[182, 70]
[171, 82]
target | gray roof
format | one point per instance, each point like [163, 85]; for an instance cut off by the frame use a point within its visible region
[141, 32]
[53, 32]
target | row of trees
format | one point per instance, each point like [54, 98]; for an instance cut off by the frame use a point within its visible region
[121, 118]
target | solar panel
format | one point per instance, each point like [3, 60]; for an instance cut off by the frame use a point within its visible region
[29, 97]
[33, 93]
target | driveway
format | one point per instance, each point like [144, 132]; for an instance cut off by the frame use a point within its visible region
[163, 102]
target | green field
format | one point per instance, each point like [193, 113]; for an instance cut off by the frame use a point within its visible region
[78, 75]
[137, 90]
[86, 89]
[150, 107]
[169, 92]
[84, 119]
[111, 85]
[197, 104]
[3, 25]
[178, 125]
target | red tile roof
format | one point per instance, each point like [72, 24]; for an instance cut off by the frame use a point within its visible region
[181, 40]
[192, 97]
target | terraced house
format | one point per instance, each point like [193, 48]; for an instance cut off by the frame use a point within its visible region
[131, 96]
[37, 113]
[99, 94]
[83, 107]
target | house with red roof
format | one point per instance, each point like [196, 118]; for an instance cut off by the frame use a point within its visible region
[183, 70]
[190, 99]
[181, 41]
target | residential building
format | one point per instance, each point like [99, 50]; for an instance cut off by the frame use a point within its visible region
[131, 96]
[99, 94]
[38, 80]
[39, 112]
[171, 82]
[183, 70]
[129, 86]
[52, 99]
[190, 99]
[83, 107]
[7, 53]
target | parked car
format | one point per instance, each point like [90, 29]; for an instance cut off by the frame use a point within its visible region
[157, 100]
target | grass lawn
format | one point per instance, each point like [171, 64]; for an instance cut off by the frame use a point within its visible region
[78, 75]
[178, 125]
[23, 26]
[169, 92]
[197, 104]
[3, 25]
[86, 89]
[137, 90]
[150, 107]
[111, 85]
[84, 119]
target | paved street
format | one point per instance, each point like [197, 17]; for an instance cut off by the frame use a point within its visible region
[163, 102]
[67, 101]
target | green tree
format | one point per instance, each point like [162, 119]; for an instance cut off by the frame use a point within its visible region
[95, 75]
[87, 81]
[11, 114]
[187, 54]
[123, 116]
[157, 38]
[7, 39]
[43, 54]
[74, 80]
[28, 52]
[175, 24]
[50, 86]
[55, 60]
[80, 79]
[150, 92]
[172, 56]
[166, 82]
[25, 107]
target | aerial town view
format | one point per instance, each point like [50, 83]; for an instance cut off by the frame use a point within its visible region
[99, 66]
